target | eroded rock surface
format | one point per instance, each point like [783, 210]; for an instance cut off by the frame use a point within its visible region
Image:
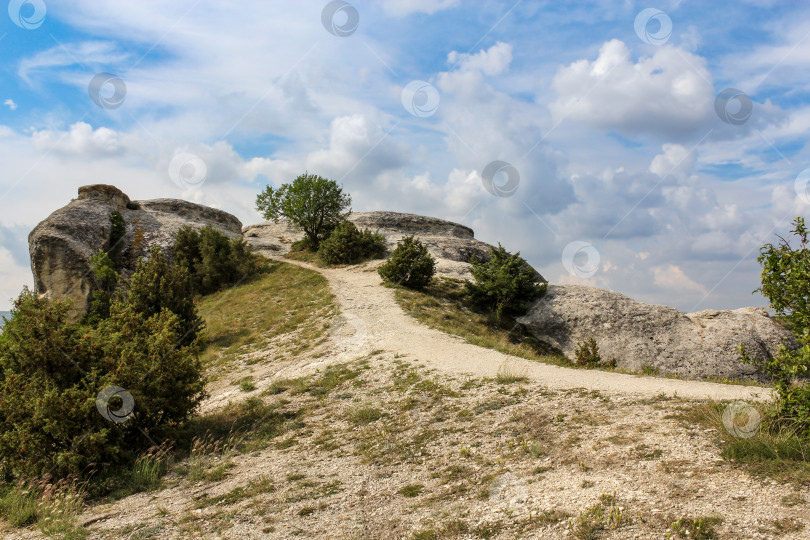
[692, 345]
[62, 244]
[451, 244]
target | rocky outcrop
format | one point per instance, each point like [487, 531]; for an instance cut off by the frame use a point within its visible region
[62, 244]
[691, 345]
[451, 244]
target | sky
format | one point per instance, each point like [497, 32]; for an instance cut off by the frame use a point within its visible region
[647, 148]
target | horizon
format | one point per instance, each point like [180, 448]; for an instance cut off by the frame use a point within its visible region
[650, 150]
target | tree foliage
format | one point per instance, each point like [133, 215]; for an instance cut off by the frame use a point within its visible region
[314, 204]
[349, 245]
[504, 283]
[212, 259]
[410, 264]
[52, 371]
[786, 284]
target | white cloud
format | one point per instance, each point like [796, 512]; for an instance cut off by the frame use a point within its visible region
[669, 94]
[81, 141]
[10, 104]
[675, 279]
[492, 61]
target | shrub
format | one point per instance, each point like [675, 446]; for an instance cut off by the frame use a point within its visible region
[314, 204]
[212, 259]
[410, 264]
[348, 245]
[587, 354]
[786, 284]
[158, 285]
[106, 279]
[52, 371]
[504, 283]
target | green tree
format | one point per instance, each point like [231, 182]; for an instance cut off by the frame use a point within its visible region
[157, 285]
[314, 204]
[52, 372]
[786, 284]
[212, 259]
[410, 264]
[106, 280]
[504, 283]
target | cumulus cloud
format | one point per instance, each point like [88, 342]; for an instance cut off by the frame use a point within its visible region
[80, 141]
[10, 104]
[492, 61]
[668, 95]
[673, 278]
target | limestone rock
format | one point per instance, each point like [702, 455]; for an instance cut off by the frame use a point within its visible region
[62, 244]
[691, 345]
[451, 244]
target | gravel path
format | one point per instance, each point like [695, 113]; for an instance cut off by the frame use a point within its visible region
[373, 320]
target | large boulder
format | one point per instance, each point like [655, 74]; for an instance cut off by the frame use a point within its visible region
[635, 334]
[451, 244]
[62, 244]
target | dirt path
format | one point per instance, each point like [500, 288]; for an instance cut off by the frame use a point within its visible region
[373, 320]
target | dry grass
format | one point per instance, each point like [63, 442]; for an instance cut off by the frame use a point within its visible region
[444, 306]
[286, 300]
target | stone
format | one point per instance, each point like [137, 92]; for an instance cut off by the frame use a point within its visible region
[690, 345]
[62, 244]
[451, 244]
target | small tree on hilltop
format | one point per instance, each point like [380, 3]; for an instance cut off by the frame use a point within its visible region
[314, 204]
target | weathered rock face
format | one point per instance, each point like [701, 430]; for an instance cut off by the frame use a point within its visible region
[62, 244]
[451, 244]
[692, 345]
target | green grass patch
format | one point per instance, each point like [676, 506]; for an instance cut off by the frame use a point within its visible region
[284, 299]
[775, 449]
[445, 306]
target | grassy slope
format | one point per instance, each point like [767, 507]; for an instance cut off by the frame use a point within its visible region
[442, 305]
[285, 300]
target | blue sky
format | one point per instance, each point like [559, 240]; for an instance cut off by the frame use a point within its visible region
[626, 176]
